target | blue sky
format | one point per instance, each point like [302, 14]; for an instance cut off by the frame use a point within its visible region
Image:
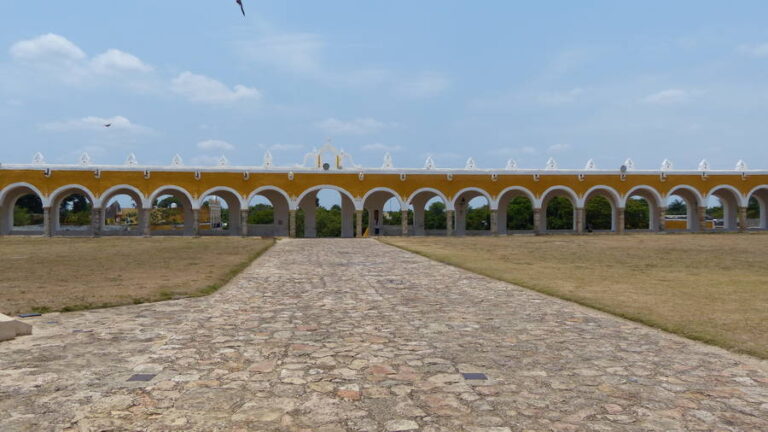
[494, 80]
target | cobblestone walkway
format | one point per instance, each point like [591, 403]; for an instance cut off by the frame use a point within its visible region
[354, 335]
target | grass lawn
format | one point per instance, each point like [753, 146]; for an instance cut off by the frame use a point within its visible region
[712, 288]
[65, 274]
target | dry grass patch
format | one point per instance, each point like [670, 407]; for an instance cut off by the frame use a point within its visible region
[64, 274]
[712, 288]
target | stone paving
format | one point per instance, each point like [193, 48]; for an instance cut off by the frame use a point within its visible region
[354, 335]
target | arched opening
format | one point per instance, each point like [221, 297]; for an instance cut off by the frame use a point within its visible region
[722, 212]
[558, 206]
[430, 215]
[601, 210]
[383, 214]
[171, 213]
[642, 210]
[684, 210]
[71, 212]
[325, 212]
[121, 214]
[22, 212]
[515, 212]
[757, 209]
[219, 214]
[472, 213]
[268, 213]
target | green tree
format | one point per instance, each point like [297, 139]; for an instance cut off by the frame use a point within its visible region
[637, 214]
[21, 216]
[478, 218]
[261, 214]
[434, 216]
[167, 201]
[598, 213]
[677, 207]
[559, 214]
[520, 214]
[753, 209]
[75, 209]
[328, 221]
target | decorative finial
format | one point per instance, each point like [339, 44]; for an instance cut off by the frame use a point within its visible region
[429, 163]
[591, 165]
[387, 161]
[630, 164]
[223, 161]
[176, 161]
[551, 164]
[470, 164]
[511, 164]
[703, 165]
[38, 159]
[666, 165]
[131, 160]
[267, 159]
[741, 165]
[85, 159]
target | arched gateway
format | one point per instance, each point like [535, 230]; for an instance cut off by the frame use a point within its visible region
[179, 199]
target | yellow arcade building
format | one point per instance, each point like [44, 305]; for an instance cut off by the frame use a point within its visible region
[292, 189]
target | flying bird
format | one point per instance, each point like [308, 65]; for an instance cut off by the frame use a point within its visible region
[240, 2]
[107, 124]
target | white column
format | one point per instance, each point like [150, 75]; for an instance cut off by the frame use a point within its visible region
[449, 222]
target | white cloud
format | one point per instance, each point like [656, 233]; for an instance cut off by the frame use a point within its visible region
[360, 126]
[381, 147]
[93, 123]
[757, 51]
[667, 97]
[114, 60]
[214, 144]
[557, 148]
[200, 88]
[424, 86]
[202, 160]
[47, 47]
[560, 98]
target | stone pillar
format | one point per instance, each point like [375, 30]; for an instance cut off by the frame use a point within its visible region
[359, 223]
[701, 212]
[292, 223]
[579, 220]
[539, 225]
[196, 222]
[418, 221]
[310, 228]
[146, 222]
[96, 221]
[742, 219]
[404, 222]
[243, 222]
[47, 222]
[620, 220]
[662, 219]
[449, 222]
[494, 223]
[3, 221]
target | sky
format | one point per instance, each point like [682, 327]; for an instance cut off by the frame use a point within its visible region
[493, 80]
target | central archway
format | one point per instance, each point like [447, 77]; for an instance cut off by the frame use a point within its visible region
[314, 216]
[431, 212]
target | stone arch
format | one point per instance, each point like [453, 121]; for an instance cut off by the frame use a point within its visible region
[8, 197]
[760, 194]
[502, 204]
[731, 199]
[694, 202]
[56, 198]
[373, 203]
[122, 189]
[655, 204]
[461, 202]
[558, 192]
[613, 198]
[234, 202]
[418, 200]
[189, 207]
[306, 202]
[281, 206]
